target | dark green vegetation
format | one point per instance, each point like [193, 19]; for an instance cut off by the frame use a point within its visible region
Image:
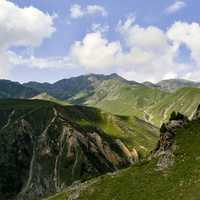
[179, 181]
[46, 146]
[9, 89]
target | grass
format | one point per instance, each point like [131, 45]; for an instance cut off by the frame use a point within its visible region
[129, 100]
[185, 100]
[143, 181]
[131, 130]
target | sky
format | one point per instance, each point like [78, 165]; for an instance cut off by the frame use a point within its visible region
[47, 40]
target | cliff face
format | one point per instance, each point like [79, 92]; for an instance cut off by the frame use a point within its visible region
[43, 150]
[166, 146]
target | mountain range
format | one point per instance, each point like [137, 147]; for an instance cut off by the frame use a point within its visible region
[112, 93]
[73, 138]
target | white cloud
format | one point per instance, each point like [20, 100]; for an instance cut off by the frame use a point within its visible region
[150, 38]
[4, 65]
[41, 63]
[77, 11]
[150, 54]
[23, 26]
[144, 54]
[95, 52]
[94, 9]
[26, 26]
[178, 5]
[188, 34]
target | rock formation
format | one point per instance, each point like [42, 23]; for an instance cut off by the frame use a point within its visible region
[43, 150]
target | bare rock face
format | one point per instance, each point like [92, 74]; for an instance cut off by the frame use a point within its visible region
[131, 156]
[167, 145]
[42, 155]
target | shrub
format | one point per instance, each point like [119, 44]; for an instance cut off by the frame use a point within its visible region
[163, 128]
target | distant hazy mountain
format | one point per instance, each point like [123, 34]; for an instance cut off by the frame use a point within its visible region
[9, 89]
[174, 84]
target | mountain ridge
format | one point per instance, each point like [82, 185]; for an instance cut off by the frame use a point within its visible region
[47, 146]
[172, 171]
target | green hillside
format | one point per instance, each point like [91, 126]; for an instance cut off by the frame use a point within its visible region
[47, 97]
[48, 146]
[185, 100]
[181, 181]
[111, 93]
[131, 130]
[117, 97]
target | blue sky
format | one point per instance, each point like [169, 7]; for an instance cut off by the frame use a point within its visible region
[140, 40]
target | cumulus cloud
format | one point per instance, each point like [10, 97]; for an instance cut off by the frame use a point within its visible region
[77, 11]
[178, 5]
[95, 52]
[150, 38]
[143, 54]
[21, 27]
[149, 53]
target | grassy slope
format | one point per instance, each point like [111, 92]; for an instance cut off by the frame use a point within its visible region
[118, 97]
[131, 130]
[46, 97]
[143, 181]
[185, 100]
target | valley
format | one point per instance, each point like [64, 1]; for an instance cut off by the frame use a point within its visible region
[81, 134]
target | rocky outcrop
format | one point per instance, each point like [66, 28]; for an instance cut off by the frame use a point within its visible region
[166, 146]
[42, 155]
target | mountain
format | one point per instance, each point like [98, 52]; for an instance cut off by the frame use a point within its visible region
[45, 147]
[111, 93]
[184, 100]
[172, 85]
[47, 97]
[77, 89]
[171, 172]
[10, 89]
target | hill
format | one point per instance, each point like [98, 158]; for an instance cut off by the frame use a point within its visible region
[171, 173]
[45, 96]
[111, 93]
[184, 100]
[46, 146]
[172, 85]
[10, 89]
